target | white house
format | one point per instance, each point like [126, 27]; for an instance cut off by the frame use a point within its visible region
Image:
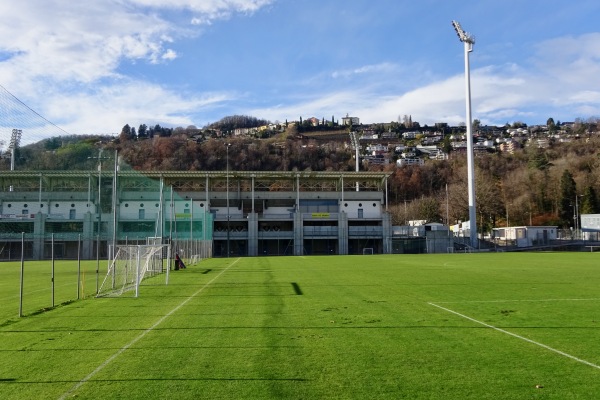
[347, 120]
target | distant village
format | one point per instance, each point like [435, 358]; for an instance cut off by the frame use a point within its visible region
[409, 143]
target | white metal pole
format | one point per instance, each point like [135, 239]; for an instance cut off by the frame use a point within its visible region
[137, 272]
[114, 206]
[99, 220]
[52, 279]
[78, 265]
[22, 274]
[470, 164]
[227, 183]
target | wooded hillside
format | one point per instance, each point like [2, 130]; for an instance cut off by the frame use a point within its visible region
[534, 185]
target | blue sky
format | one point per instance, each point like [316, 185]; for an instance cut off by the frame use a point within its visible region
[94, 66]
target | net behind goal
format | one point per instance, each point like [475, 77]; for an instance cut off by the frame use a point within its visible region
[131, 265]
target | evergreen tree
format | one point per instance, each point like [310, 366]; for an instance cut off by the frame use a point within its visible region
[143, 131]
[589, 202]
[568, 191]
[125, 133]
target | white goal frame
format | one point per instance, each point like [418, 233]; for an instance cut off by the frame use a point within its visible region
[131, 265]
[368, 251]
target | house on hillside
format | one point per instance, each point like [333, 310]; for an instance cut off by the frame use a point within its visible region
[350, 121]
[409, 161]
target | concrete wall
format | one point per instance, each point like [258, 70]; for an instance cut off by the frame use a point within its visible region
[371, 208]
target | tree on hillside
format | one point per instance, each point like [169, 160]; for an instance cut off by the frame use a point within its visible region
[589, 202]
[551, 126]
[125, 134]
[229, 123]
[538, 159]
[143, 131]
[568, 191]
[429, 209]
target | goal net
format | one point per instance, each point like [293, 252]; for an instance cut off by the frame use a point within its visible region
[367, 250]
[131, 265]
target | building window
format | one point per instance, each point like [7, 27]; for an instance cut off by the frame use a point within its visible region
[142, 213]
[72, 213]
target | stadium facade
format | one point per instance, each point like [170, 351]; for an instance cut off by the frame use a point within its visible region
[241, 213]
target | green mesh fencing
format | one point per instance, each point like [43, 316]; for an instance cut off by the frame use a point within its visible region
[102, 209]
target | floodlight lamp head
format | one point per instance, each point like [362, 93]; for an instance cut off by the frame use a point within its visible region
[462, 35]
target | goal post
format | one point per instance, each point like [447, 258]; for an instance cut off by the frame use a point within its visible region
[131, 265]
[367, 251]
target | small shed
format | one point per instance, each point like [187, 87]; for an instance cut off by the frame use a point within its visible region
[526, 236]
[590, 226]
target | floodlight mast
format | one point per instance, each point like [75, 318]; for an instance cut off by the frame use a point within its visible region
[469, 41]
[15, 141]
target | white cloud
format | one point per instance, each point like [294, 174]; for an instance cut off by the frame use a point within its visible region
[110, 107]
[206, 11]
[366, 69]
[62, 58]
[560, 80]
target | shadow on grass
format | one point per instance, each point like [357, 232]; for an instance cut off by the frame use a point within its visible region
[28, 382]
[297, 289]
[331, 326]
[152, 348]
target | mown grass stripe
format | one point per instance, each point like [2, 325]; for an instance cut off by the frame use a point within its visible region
[141, 335]
[562, 353]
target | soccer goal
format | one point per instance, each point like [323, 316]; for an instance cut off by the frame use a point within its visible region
[131, 265]
[368, 251]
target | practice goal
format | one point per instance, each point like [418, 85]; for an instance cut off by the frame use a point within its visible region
[367, 250]
[131, 265]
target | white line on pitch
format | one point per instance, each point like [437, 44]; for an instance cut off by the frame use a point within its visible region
[513, 301]
[140, 336]
[562, 353]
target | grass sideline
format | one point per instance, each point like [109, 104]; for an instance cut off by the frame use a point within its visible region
[333, 327]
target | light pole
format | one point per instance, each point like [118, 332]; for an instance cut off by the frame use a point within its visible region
[114, 204]
[99, 158]
[227, 196]
[469, 41]
[576, 217]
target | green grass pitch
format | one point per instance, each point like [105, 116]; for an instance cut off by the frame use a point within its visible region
[452, 326]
